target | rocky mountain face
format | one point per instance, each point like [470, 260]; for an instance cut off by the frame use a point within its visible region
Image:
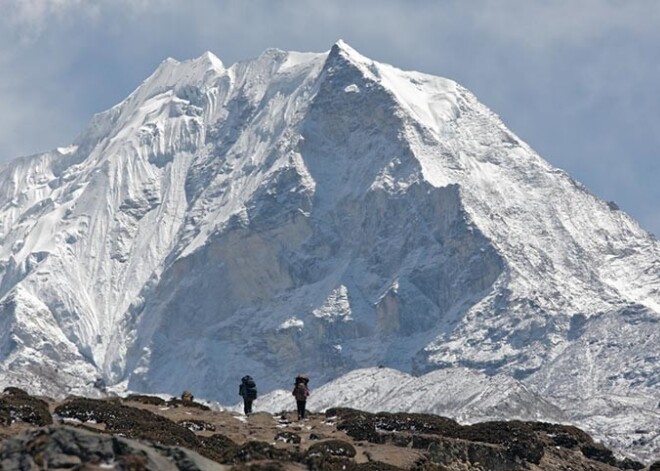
[321, 213]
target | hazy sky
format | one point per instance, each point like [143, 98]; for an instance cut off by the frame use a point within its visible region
[576, 79]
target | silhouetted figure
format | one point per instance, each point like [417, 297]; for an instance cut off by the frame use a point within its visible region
[301, 392]
[187, 396]
[248, 391]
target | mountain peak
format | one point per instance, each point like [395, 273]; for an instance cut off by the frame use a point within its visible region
[343, 45]
[347, 213]
[169, 61]
[343, 49]
[209, 59]
[172, 72]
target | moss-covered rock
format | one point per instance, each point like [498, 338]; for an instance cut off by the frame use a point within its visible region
[131, 422]
[332, 448]
[270, 466]
[145, 399]
[219, 448]
[287, 437]
[256, 450]
[195, 425]
[517, 440]
[598, 452]
[17, 405]
[175, 402]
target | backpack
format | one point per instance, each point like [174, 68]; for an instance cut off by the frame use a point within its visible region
[300, 391]
[302, 379]
[250, 387]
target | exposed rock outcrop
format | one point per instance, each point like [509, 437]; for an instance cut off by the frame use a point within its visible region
[143, 433]
[63, 447]
[17, 405]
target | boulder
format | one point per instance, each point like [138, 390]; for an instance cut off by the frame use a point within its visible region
[17, 405]
[63, 447]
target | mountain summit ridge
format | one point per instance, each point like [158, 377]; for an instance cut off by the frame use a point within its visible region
[321, 213]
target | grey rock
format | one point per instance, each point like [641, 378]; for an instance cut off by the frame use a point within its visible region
[63, 447]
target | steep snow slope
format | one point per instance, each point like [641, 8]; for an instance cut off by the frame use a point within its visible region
[326, 213]
[469, 396]
[460, 393]
[318, 212]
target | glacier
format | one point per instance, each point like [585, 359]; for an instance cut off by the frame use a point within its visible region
[323, 212]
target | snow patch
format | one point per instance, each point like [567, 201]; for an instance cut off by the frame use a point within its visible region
[291, 323]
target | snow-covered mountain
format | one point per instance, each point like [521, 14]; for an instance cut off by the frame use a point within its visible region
[460, 393]
[469, 396]
[319, 213]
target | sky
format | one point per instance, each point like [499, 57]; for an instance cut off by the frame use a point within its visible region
[576, 79]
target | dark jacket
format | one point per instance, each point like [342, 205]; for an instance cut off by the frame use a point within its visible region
[247, 389]
[300, 391]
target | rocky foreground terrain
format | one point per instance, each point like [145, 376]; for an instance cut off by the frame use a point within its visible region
[148, 432]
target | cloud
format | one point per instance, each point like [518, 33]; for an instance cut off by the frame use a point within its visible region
[27, 19]
[543, 24]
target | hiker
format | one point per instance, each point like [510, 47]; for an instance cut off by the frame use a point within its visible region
[187, 396]
[301, 392]
[248, 391]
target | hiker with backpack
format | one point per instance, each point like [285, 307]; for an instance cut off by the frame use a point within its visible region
[248, 391]
[301, 392]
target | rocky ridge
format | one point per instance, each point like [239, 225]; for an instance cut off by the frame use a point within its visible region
[150, 433]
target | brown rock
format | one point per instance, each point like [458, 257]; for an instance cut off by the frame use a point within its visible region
[187, 396]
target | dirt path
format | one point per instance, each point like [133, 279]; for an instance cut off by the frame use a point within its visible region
[262, 426]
